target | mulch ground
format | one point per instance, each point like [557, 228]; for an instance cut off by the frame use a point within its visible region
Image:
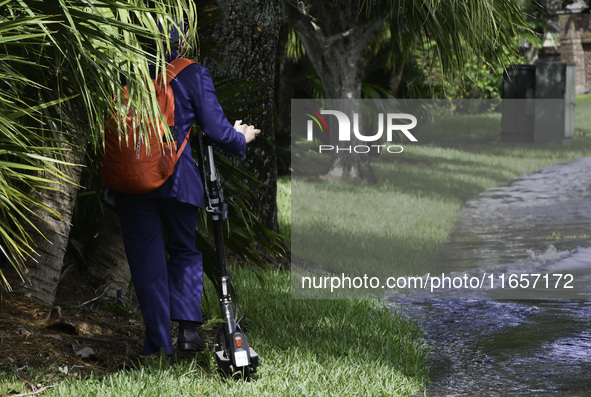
[77, 337]
[84, 335]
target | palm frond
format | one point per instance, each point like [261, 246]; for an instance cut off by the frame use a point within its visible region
[460, 29]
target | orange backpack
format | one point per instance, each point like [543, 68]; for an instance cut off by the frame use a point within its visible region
[126, 163]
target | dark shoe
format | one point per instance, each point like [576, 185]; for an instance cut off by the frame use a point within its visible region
[189, 339]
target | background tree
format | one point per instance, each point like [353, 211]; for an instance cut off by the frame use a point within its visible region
[337, 36]
[245, 36]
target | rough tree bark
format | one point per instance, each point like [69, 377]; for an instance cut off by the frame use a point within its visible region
[284, 93]
[336, 44]
[246, 40]
[105, 256]
[42, 275]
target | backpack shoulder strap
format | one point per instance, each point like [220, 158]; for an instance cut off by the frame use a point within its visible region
[180, 150]
[175, 67]
[172, 70]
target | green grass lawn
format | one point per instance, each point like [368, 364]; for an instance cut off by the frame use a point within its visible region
[307, 348]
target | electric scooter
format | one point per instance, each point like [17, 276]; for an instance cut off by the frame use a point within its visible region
[233, 354]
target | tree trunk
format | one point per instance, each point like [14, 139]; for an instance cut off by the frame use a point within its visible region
[284, 93]
[42, 275]
[246, 38]
[336, 49]
[105, 256]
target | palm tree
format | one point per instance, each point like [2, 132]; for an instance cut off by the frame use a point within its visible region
[338, 34]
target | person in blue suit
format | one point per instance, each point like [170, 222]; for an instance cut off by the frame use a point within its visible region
[170, 289]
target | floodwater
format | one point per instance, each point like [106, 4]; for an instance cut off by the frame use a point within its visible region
[519, 340]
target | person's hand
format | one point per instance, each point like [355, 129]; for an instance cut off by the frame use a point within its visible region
[249, 132]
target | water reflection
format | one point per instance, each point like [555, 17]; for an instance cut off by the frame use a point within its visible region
[505, 225]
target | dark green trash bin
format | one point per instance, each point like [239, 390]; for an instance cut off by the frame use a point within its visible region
[538, 103]
[519, 90]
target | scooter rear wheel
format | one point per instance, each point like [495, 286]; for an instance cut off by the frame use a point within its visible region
[225, 362]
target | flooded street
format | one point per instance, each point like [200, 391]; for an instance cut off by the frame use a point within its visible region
[500, 348]
[501, 341]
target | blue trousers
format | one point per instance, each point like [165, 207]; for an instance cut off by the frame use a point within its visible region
[167, 290]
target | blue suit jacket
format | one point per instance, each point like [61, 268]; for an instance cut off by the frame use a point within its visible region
[196, 100]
